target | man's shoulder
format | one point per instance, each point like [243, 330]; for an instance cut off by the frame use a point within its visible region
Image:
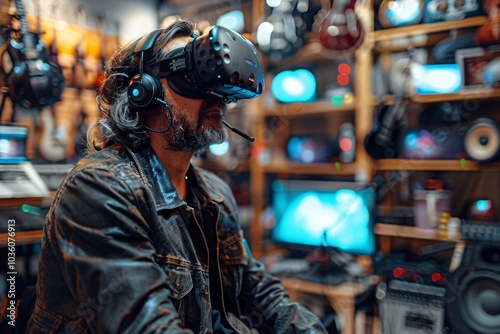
[111, 160]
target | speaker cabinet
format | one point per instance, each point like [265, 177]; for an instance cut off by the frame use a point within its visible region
[482, 140]
[472, 300]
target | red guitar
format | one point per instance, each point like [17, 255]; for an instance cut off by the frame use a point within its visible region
[339, 27]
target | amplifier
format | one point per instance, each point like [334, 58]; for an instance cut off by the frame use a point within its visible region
[480, 230]
[411, 308]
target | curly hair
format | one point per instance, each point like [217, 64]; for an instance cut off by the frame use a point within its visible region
[120, 124]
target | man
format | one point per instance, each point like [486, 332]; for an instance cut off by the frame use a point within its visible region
[137, 239]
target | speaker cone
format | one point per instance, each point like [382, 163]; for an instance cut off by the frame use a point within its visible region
[473, 292]
[482, 140]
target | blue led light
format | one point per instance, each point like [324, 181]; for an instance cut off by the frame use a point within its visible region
[294, 86]
[483, 205]
[135, 92]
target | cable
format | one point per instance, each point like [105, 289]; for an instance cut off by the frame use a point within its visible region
[171, 118]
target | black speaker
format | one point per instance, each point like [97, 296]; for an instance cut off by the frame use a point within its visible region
[482, 140]
[472, 300]
[144, 90]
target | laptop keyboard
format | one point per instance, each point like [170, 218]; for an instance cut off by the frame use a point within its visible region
[13, 176]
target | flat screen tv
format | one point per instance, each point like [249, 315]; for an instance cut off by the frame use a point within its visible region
[311, 214]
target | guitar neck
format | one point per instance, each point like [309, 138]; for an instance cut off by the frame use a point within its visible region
[27, 38]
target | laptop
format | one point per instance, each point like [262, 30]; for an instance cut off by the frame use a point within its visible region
[18, 177]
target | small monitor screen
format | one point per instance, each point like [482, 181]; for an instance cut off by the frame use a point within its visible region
[311, 214]
[13, 144]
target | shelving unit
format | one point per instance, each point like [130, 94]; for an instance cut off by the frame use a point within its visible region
[362, 108]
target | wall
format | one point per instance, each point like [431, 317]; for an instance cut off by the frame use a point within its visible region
[134, 18]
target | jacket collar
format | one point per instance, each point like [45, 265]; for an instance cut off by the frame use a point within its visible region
[162, 188]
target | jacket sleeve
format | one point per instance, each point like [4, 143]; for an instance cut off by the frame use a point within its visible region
[99, 233]
[267, 305]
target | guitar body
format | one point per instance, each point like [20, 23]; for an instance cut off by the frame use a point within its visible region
[50, 146]
[340, 29]
[33, 82]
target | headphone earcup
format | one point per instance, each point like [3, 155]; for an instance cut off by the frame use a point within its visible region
[143, 90]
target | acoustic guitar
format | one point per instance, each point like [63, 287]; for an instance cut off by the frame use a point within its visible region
[340, 29]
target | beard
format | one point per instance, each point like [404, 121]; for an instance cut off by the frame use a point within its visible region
[185, 136]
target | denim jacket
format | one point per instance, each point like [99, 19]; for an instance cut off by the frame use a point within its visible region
[123, 253]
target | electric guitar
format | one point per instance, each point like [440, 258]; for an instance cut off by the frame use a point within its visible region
[380, 143]
[32, 80]
[339, 27]
[51, 139]
[79, 69]
[101, 27]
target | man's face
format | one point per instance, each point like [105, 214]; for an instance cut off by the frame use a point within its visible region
[197, 123]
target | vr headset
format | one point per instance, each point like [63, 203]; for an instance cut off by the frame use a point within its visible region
[218, 63]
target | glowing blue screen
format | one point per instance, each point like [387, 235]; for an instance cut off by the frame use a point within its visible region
[315, 213]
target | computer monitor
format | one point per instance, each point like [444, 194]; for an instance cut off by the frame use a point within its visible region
[312, 214]
[13, 141]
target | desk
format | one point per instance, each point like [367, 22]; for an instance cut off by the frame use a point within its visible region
[341, 297]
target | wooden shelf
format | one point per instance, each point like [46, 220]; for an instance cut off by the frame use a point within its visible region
[411, 232]
[470, 94]
[427, 28]
[22, 238]
[431, 165]
[309, 169]
[298, 109]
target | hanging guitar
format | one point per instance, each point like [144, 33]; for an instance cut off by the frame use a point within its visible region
[380, 142]
[51, 139]
[79, 68]
[32, 80]
[339, 27]
[281, 34]
[101, 28]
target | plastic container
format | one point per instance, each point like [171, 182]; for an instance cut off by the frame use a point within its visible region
[428, 206]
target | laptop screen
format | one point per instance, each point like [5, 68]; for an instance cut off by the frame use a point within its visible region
[13, 140]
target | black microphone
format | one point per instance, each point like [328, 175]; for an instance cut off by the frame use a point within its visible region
[238, 132]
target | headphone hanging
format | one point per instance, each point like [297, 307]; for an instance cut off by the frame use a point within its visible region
[144, 90]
